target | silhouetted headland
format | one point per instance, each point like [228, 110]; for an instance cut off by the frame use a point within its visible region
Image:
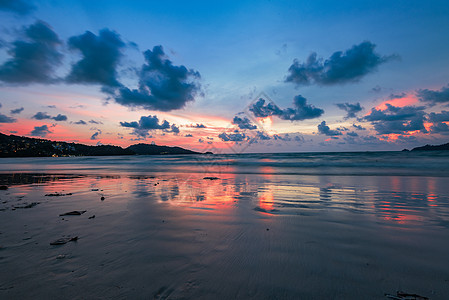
[19, 146]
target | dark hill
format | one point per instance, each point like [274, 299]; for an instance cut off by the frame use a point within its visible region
[20, 146]
[443, 147]
[148, 149]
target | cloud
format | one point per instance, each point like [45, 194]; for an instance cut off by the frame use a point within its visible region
[198, 126]
[21, 7]
[95, 135]
[340, 68]
[95, 122]
[397, 96]
[299, 139]
[81, 122]
[358, 127]
[243, 123]
[440, 127]
[100, 57]
[17, 110]
[6, 119]
[43, 115]
[301, 110]
[41, 131]
[285, 138]
[200, 141]
[174, 129]
[162, 86]
[60, 117]
[434, 97]
[324, 129]
[351, 109]
[188, 135]
[33, 61]
[262, 136]
[397, 119]
[149, 123]
[443, 116]
[352, 133]
[232, 137]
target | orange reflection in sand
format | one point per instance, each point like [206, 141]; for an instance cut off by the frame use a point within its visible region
[196, 192]
[266, 200]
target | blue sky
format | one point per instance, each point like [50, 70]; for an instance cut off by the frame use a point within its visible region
[216, 60]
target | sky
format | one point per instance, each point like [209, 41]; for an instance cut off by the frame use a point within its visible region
[227, 77]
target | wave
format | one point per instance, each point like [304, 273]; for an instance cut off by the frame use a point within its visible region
[354, 163]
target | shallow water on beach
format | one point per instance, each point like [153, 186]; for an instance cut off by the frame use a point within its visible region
[260, 235]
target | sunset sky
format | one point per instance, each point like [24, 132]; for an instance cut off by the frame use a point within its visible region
[236, 76]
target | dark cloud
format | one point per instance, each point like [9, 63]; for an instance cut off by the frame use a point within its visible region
[440, 127]
[301, 110]
[243, 123]
[397, 96]
[199, 126]
[60, 117]
[6, 119]
[33, 60]
[95, 135]
[200, 141]
[299, 139]
[352, 133]
[341, 67]
[21, 7]
[376, 89]
[397, 119]
[324, 129]
[434, 97]
[358, 127]
[95, 122]
[162, 86]
[232, 137]
[41, 131]
[81, 122]
[100, 57]
[43, 115]
[351, 109]
[262, 136]
[443, 116]
[146, 124]
[174, 129]
[285, 138]
[17, 110]
[188, 135]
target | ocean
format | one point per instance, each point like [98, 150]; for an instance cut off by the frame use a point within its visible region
[324, 163]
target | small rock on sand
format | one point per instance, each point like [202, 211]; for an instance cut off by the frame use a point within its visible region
[211, 178]
[92, 217]
[3, 187]
[102, 198]
[73, 213]
[57, 194]
[28, 205]
[64, 240]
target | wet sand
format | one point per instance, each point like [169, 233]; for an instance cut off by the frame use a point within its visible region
[241, 236]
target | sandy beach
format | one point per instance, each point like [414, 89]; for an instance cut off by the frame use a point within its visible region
[179, 236]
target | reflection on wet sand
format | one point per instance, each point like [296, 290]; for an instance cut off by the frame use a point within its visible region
[259, 236]
[388, 200]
